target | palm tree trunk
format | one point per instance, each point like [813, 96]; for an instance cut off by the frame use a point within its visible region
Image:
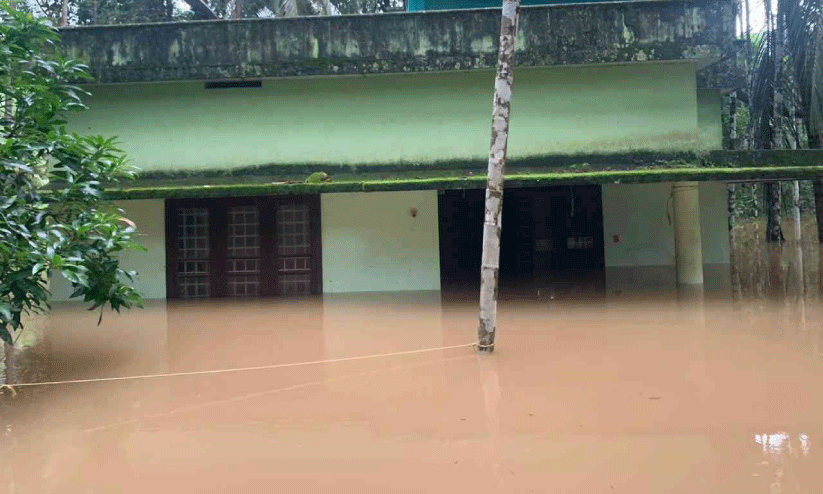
[777, 107]
[494, 186]
[734, 261]
[816, 142]
[797, 234]
[774, 230]
[774, 238]
[64, 13]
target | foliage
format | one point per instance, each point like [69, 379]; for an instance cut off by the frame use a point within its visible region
[83, 12]
[51, 182]
[750, 201]
[804, 27]
[794, 34]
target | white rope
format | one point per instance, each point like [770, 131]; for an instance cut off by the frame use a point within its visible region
[237, 369]
[258, 394]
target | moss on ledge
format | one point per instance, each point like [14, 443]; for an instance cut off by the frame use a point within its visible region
[513, 180]
[630, 160]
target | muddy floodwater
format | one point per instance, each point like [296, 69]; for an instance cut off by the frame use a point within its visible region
[606, 392]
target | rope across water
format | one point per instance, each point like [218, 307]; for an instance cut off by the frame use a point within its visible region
[236, 369]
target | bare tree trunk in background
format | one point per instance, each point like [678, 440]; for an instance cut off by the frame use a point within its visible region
[777, 107]
[774, 238]
[816, 142]
[797, 234]
[64, 13]
[734, 261]
[797, 230]
[774, 230]
[734, 267]
[494, 185]
[236, 10]
[758, 262]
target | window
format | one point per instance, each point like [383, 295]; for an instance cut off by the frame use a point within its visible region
[243, 247]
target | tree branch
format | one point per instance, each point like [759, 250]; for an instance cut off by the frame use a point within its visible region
[201, 10]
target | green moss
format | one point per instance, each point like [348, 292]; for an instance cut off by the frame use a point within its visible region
[513, 180]
[297, 172]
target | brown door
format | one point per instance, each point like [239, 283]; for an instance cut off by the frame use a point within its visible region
[243, 247]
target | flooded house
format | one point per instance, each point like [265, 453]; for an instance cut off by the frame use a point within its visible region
[345, 156]
[348, 153]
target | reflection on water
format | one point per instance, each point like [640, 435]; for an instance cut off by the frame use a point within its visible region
[781, 443]
[605, 392]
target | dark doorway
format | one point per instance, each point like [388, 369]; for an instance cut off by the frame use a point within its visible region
[549, 234]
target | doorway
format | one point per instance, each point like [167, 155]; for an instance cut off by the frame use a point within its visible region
[551, 234]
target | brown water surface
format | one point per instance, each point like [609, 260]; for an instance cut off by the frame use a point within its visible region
[600, 393]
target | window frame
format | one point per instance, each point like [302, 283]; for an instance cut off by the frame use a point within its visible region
[218, 241]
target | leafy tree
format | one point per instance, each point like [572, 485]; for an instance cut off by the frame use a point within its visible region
[84, 12]
[52, 217]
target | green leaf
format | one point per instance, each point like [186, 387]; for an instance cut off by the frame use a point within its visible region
[5, 314]
[6, 336]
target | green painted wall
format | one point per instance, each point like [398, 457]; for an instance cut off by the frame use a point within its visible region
[149, 216]
[413, 117]
[371, 241]
[709, 119]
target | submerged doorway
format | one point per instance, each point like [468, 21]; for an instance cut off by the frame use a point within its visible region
[549, 234]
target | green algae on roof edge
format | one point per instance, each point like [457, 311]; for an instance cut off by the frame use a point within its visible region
[513, 180]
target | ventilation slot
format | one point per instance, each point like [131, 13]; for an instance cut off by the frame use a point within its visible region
[233, 84]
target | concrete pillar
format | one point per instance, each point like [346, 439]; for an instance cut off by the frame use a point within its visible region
[688, 247]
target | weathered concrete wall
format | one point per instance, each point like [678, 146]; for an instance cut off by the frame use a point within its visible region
[644, 257]
[372, 243]
[709, 119]
[698, 30]
[150, 217]
[418, 118]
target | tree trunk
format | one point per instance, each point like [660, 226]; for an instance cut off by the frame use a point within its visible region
[817, 185]
[774, 238]
[797, 234]
[777, 107]
[774, 230]
[64, 13]
[734, 261]
[816, 142]
[494, 186]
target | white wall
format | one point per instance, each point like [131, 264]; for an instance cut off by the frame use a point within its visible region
[371, 242]
[639, 215]
[149, 216]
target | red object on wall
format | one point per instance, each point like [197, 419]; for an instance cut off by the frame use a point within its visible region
[616, 238]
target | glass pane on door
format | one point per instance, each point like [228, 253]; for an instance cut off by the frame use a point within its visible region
[243, 252]
[293, 249]
[193, 252]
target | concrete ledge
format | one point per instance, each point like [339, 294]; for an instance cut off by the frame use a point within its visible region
[471, 182]
[641, 167]
[695, 30]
